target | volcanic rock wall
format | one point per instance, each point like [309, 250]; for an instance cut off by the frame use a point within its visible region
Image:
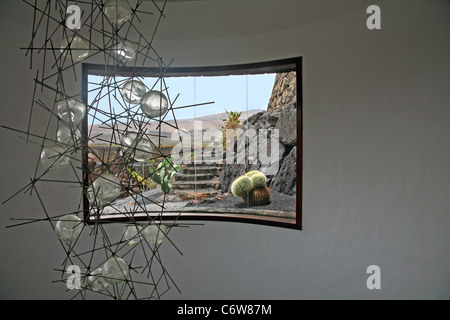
[284, 91]
[282, 116]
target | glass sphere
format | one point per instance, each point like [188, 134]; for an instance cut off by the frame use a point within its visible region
[143, 150]
[69, 227]
[71, 111]
[104, 189]
[115, 270]
[125, 51]
[54, 157]
[74, 47]
[132, 91]
[129, 139]
[117, 11]
[96, 282]
[67, 136]
[154, 104]
[154, 234]
[132, 234]
[140, 147]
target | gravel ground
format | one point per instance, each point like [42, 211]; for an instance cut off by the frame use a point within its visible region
[278, 201]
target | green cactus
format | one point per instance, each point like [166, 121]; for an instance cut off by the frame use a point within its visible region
[251, 187]
[251, 173]
[259, 180]
[241, 186]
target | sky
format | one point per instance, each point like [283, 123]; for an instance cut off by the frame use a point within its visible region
[228, 93]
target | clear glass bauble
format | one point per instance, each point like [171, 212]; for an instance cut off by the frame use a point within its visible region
[133, 91]
[154, 234]
[115, 270]
[154, 104]
[132, 234]
[104, 189]
[68, 228]
[67, 136]
[117, 11]
[96, 282]
[55, 157]
[71, 111]
[74, 48]
[141, 149]
[125, 51]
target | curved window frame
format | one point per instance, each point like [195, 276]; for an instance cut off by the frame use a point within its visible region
[276, 66]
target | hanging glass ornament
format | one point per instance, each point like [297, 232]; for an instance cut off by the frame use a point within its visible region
[132, 234]
[96, 282]
[154, 104]
[115, 270]
[132, 91]
[71, 111]
[125, 51]
[104, 189]
[154, 234]
[143, 151]
[140, 148]
[117, 11]
[74, 47]
[54, 157]
[69, 227]
[67, 136]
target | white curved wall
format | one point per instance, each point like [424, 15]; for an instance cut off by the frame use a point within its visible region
[376, 154]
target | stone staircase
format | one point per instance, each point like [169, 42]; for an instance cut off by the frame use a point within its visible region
[197, 181]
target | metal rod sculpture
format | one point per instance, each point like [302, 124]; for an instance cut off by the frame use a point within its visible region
[63, 37]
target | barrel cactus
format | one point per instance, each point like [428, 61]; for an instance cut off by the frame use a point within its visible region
[258, 197]
[252, 188]
[241, 186]
[259, 179]
[251, 173]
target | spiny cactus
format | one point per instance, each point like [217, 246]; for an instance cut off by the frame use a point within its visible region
[259, 180]
[241, 186]
[258, 197]
[252, 188]
[251, 173]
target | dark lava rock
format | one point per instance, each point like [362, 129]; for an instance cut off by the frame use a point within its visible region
[285, 180]
[287, 124]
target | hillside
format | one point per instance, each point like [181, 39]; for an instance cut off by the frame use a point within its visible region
[101, 133]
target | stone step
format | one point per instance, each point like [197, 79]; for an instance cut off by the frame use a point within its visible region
[193, 177]
[202, 164]
[200, 170]
[192, 185]
[210, 161]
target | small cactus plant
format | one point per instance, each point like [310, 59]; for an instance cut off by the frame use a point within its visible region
[259, 180]
[241, 186]
[258, 197]
[251, 187]
[251, 173]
